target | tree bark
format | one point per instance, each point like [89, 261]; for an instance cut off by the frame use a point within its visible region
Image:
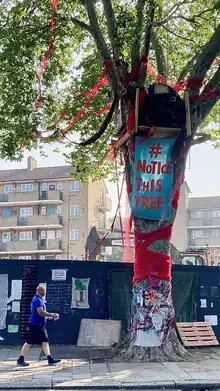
[170, 349]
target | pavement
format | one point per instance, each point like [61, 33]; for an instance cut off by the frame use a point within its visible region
[80, 370]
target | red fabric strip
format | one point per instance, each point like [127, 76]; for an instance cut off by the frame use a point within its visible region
[148, 262]
[47, 54]
[101, 82]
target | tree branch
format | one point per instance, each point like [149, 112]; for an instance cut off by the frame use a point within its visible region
[150, 12]
[179, 16]
[112, 26]
[179, 36]
[161, 62]
[100, 41]
[136, 46]
[201, 111]
[188, 67]
[149, 26]
[81, 24]
[204, 61]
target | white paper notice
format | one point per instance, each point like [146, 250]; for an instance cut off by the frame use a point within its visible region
[16, 306]
[16, 287]
[203, 303]
[59, 275]
[211, 319]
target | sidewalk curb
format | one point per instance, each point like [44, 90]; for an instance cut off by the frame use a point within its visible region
[156, 386]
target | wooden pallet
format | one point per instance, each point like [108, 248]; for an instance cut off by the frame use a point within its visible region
[196, 334]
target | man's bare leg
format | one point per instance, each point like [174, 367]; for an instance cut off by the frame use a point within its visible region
[24, 352]
[46, 349]
[25, 349]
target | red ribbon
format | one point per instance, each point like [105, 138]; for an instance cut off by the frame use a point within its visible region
[47, 54]
[101, 82]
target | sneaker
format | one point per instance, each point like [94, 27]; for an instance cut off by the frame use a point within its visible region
[22, 363]
[53, 361]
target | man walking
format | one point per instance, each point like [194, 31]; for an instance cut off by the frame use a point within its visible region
[37, 333]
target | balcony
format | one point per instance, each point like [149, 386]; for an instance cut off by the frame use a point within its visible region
[51, 195]
[50, 244]
[31, 198]
[41, 221]
[31, 247]
[202, 242]
[32, 222]
[105, 205]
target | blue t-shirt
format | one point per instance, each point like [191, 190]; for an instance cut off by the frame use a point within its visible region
[35, 319]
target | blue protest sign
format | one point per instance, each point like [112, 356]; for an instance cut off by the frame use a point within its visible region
[152, 178]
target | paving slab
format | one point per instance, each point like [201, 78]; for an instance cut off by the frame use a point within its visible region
[81, 374]
[167, 385]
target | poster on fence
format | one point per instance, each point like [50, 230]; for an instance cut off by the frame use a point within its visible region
[152, 178]
[80, 293]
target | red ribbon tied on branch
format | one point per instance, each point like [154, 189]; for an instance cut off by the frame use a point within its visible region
[47, 54]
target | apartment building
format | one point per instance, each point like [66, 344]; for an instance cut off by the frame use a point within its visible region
[179, 234]
[46, 214]
[203, 225]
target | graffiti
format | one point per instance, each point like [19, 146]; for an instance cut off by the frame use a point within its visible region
[3, 300]
[4, 303]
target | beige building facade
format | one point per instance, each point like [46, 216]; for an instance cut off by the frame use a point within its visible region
[203, 225]
[46, 214]
[179, 236]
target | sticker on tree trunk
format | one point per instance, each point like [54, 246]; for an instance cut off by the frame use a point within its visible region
[80, 293]
[152, 179]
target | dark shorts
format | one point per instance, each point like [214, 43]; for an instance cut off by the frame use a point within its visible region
[37, 335]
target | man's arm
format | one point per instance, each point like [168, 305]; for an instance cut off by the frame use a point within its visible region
[46, 314]
[41, 312]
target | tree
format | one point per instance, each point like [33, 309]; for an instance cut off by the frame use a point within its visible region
[180, 37]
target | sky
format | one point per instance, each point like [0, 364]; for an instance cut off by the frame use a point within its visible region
[202, 169]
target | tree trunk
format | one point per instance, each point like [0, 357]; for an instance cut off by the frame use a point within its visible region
[150, 298]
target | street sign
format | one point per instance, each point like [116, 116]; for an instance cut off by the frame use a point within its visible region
[114, 242]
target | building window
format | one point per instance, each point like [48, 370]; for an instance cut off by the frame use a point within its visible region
[216, 233]
[44, 187]
[74, 210]
[59, 185]
[25, 235]
[101, 198]
[7, 189]
[25, 187]
[216, 213]
[52, 186]
[74, 186]
[198, 214]
[59, 234]
[74, 234]
[43, 235]
[59, 210]
[50, 234]
[6, 212]
[102, 223]
[197, 234]
[25, 257]
[43, 210]
[6, 237]
[51, 210]
[25, 212]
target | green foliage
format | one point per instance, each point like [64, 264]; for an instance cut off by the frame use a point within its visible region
[75, 64]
